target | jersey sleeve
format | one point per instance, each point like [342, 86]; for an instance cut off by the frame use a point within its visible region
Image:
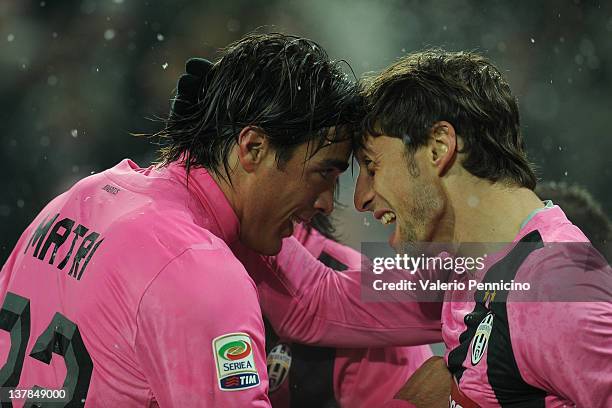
[200, 336]
[564, 347]
[308, 302]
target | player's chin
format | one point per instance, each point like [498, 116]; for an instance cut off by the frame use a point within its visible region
[272, 244]
[275, 242]
[402, 240]
[267, 243]
[396, 238]
[272, 247]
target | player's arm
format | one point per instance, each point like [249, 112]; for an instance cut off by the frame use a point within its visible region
[398, 363]
[199, 297]
[311, 303]
[565, 348]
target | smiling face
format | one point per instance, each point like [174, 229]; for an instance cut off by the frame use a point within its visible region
[399, 188]
[275, 199]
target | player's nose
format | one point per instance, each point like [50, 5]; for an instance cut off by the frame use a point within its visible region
[325, 202]
[364, 194]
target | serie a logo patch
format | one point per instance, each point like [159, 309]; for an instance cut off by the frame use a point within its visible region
[235, 363]
[481, 338]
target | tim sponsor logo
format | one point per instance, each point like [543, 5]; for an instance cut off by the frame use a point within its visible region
[238, 381]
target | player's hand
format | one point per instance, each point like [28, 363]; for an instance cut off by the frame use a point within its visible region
[429, 386]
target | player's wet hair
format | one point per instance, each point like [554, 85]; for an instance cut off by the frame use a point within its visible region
[284, 85]
[462, 88]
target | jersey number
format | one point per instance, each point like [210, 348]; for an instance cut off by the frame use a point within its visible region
[61, 337]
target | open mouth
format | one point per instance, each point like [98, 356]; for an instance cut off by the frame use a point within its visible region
[388, 218]
[290, 224]
[385, 216]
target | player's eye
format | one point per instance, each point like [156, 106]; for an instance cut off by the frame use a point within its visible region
[327, 174]
[369, 165]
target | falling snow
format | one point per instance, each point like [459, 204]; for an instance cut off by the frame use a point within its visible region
[68, 87]
[233, 25]
[109, 34]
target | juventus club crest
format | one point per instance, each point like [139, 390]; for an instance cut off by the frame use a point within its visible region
[481, 338]
[279, 363]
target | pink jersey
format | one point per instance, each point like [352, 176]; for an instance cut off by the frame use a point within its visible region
[540, 354]
[356, 377]
[123, 291]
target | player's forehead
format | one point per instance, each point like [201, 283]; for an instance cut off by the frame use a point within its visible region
[334, 148]
[332, 154]
[380, 146]
[367, 148]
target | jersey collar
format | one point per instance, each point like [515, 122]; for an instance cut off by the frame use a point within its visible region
[206, 191]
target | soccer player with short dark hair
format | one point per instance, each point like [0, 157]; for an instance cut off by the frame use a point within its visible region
[123, 290]
[443, 159]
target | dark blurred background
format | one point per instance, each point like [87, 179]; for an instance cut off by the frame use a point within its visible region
[78, 76]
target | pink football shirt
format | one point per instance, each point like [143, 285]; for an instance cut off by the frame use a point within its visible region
[123, 292]
[362, 378]
[550, 354]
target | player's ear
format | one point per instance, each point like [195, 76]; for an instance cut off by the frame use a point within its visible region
[253, 146]
[443, 146]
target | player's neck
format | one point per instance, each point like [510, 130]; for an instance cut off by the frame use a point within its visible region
[230, 191]
[490, 212]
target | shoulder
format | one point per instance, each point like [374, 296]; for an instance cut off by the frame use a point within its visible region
[205, 279]
[208, 260]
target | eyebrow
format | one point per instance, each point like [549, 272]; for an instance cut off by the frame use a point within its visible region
[341, 165]
[364, 151]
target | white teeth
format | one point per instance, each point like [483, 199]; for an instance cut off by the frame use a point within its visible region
[387, 218]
